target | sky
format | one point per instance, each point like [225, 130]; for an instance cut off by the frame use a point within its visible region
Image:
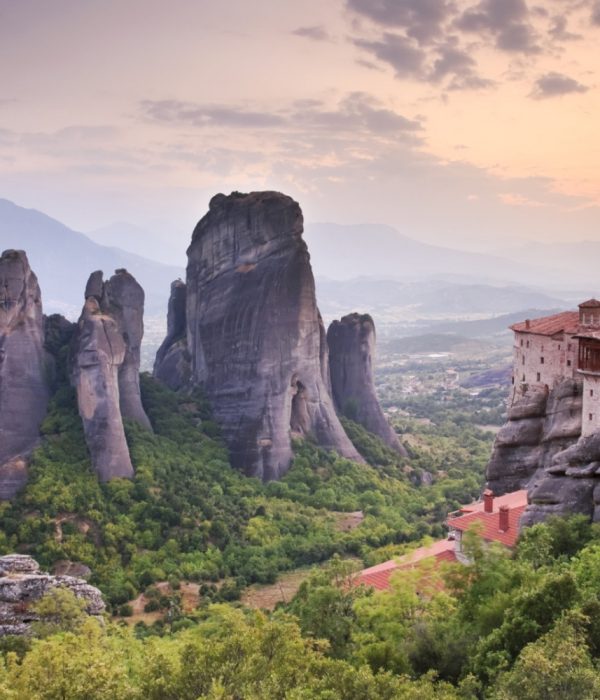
[465, 123]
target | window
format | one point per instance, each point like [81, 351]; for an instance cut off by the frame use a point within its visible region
[568, 363]
[527, 343]
[513, 380]
[591, 392]
[541, 360]
[521, 342]
[591, 416]
[559, 346]
[523, 360]
[539, 377]
[523, 377]
[568, 346]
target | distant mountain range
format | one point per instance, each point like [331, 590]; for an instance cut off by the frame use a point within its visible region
[63, 260]
[363, 267]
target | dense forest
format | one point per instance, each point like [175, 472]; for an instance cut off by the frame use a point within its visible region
[523, 626]
[511, 625]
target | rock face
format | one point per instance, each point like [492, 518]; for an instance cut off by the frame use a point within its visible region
[172, 364]
[571, 484]
[105, 358]
[351, 344]
[254, 337]
[541, 424]
[22, 583]
[24, 369]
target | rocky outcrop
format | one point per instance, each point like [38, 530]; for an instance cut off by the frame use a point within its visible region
[541, 424]
[172, 364]
[253, 333]
[105, 357]
[24, 369]
[22, 584]
[351, 344]
[571, 484]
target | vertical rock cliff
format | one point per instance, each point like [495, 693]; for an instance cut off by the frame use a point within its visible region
[253, 333]
[172, 364]
[351, 350]
[105, 356]
[541, 423]
[24, 369]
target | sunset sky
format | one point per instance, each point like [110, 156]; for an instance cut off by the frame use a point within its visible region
[470, 123]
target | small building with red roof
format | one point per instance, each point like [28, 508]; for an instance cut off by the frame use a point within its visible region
[496, 520]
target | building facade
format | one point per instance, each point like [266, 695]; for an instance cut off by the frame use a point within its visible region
[550, 349]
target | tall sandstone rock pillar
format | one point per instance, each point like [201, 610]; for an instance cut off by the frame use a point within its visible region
[105, 359]
[24, 391]
[351, 350]
[255, 341]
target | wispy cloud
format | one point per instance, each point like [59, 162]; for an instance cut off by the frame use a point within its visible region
[316, 33]
[554, 85]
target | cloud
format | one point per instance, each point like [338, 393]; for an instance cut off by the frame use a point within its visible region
[506, 20]
[558, 30]
[518, 200]
[316, 33]
[400, 52]
[441, 61]
[422, 19]
[209, 115]
[356, 113]
[555, 84]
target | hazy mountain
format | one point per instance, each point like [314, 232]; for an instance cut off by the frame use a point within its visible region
[489, 326]
[63, 259]
[433, 299]
[343, 252]
[576, 261]
[168, 248]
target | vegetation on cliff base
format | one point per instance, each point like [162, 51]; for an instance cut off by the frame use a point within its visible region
[509, 627]
[188, 516]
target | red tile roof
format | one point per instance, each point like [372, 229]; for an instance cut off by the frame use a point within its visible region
[378, 576]
[491, 525]
[590, 303]
[512, 500]
[565, 322]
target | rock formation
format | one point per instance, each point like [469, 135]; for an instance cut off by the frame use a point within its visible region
[22, 584]
[570, 484]
[253, 333]
[172, 364]
[351, 350]
[105, 369]
[24, 369]
[541, 423]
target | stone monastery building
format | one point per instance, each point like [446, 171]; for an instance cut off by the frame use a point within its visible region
[563, 346]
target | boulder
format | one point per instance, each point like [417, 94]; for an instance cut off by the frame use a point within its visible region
[25, 368]
[22, 584]
[351, 344]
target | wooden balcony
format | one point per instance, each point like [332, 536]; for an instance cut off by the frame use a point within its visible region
[589, 355]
